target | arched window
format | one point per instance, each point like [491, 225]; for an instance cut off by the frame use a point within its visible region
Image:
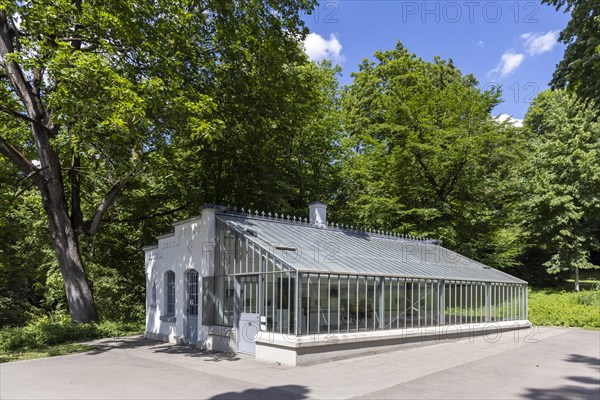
[170, 292]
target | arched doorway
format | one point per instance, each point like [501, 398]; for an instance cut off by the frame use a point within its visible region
[192, 307]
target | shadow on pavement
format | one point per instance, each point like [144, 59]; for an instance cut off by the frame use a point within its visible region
[578, 358]
[126, 342]
[285, 392]
[584, 387]
[194, 352]
[133, 342]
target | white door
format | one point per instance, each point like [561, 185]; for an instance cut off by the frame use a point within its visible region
[249, 328]
[192, 307]
[249, 322]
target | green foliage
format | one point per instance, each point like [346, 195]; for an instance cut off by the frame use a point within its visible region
[45, 332]
[561, 308]
[425, 156]
[25, 256]
[162, 102]
[561, 177]
[278, 142]
[579, 69]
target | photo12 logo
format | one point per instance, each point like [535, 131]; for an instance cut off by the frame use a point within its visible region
[327, 12]
[516, 92]
[469, 11]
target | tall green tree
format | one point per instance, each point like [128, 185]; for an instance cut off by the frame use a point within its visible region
[579, 70]
[561, 180]
[105, 87]
[280, 135]
[427, 157]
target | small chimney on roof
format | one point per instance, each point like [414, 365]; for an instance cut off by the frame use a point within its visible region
[317, 213]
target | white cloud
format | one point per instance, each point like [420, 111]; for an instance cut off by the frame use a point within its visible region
[481, 44]
[539, 42]
[514, 121]
[509, 62]
[319, 48]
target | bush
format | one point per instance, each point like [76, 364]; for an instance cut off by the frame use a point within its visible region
[561, 308]
[47, 331]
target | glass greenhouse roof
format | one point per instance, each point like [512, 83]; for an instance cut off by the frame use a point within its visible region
[312, 249]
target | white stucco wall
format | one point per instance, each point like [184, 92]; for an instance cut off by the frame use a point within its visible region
[190, 246]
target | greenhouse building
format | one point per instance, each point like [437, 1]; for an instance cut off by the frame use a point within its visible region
[300, 291]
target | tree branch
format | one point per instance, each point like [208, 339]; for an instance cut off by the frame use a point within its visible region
[427, 174]
[91, 227]
[24, 117]
[21, 85]
[22, 162]
[451, 180]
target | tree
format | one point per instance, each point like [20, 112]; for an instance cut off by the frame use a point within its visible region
[561, 179]
[579, 70]
[426, 157]
[279, 137]
[106, 87]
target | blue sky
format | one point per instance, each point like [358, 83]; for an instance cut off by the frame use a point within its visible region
[513, 43]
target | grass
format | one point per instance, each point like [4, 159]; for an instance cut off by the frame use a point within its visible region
[48, 337]
[557, 307]
[47, 351]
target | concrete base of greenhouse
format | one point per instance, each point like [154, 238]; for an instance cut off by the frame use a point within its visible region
[316, 348]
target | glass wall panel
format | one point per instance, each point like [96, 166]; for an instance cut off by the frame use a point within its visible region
[345, 304]
[303, 303]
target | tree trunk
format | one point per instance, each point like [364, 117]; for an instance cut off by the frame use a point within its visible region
[577, 279]
[79, 295]
[64, 237]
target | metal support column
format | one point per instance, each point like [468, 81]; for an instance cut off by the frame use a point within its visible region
[381, 294]
[297, 301]
[488, 302]
[525, 301]
[442, 302]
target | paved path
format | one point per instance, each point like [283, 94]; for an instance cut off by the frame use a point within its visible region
[546, 363]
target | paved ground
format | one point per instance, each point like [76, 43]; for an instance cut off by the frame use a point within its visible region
[546, 363]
